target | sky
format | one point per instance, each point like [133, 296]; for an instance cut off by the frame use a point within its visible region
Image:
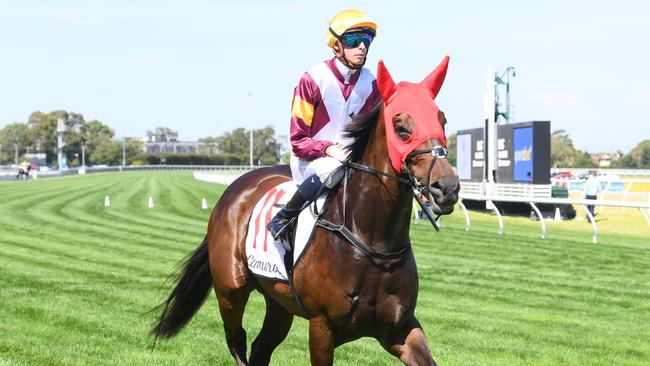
[204, 68]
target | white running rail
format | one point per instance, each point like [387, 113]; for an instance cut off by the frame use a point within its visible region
[490, 199]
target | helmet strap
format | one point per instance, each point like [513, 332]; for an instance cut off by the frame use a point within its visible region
[349, 65]
[344, 60]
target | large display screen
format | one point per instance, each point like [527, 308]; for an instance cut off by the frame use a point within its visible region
[470, 154]
[523, 146]
[523, 153]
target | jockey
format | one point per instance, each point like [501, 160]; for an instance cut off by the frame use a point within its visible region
[326, 98]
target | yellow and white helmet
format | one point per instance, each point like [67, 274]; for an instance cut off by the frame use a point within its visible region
[348, 20]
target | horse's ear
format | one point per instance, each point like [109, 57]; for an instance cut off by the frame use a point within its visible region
[385, 81]
[433, 82]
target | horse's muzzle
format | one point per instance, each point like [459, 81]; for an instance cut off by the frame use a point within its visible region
[445, 194]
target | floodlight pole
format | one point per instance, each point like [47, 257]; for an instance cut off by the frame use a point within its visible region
[498, 80]
[490, 138]
[491, 116]
[508, 114]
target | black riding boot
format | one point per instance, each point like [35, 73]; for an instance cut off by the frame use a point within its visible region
[306, 192]
[279, 224]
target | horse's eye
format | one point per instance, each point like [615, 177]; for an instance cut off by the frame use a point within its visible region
[402, 132]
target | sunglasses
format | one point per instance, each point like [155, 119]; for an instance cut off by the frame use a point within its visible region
[353, 40]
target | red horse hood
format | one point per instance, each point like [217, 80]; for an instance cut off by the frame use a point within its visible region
[416, 99]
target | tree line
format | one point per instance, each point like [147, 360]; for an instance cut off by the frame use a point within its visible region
[38, 135]
[565, 155]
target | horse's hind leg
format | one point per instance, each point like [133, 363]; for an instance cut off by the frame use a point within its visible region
[231, 306]
[277, 323]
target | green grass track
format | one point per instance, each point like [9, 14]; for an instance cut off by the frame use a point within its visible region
[77, 281]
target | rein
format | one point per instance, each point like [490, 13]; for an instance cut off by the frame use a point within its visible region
[373, 171]
[413, 184]
[346, 233]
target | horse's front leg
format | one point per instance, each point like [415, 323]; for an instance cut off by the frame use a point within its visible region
[321, 342]
[409, 344]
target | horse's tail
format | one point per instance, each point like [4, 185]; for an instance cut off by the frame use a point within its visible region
[194, 282]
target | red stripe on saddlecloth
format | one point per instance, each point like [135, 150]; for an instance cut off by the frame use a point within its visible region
[259, 216]
[276, 199]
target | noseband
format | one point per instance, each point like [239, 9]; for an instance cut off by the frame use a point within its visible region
[438, 152]
[419, 189]
[411, 182]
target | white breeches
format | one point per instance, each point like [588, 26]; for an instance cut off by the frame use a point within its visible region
[301, 169]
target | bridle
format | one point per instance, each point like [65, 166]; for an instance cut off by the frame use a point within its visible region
[410, 181]
[407, 181]
[419, 189]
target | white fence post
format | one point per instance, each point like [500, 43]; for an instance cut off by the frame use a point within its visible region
[467, 223]
[593, 223]
[645, 215]
[491, 206]
[491, 198]
[541, 218]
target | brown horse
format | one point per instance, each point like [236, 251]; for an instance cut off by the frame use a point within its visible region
[347, 291]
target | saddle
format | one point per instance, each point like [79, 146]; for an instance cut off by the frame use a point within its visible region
[267, 257]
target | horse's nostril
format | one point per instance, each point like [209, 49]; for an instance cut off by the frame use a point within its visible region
[436, 189]
[447, 185]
